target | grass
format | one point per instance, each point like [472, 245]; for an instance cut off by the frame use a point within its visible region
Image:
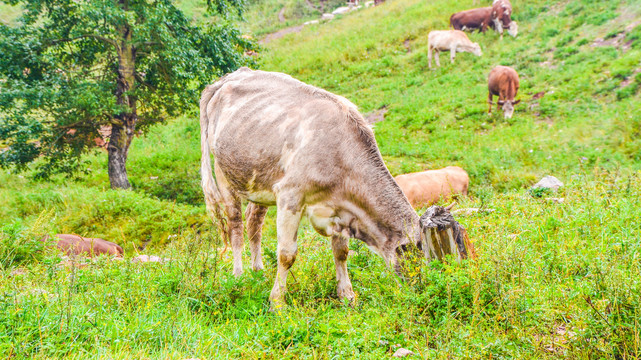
[552, 279]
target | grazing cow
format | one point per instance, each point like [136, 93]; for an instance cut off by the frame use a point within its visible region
[78, 245]
[473, 19]
[452, 40]
[502, 18]
[503, 82]
[427, 187]
[278, 141]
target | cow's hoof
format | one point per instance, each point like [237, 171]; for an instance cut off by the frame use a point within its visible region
[347, 295]
[276, 306]
[238, 272]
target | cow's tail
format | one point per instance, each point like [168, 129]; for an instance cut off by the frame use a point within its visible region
[213, 198]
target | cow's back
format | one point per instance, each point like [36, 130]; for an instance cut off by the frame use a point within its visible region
[428, 187]
[270, 125]
[503, 78]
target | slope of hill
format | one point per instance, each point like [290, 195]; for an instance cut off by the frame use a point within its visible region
[552, 279]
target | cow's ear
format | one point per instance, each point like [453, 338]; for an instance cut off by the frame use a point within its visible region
[517, 101]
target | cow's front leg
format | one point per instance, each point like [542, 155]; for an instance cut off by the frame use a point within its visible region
[287, 221]
[436, 58]
[341, 250]
[254, 217]
[489, 101]
[452, 54]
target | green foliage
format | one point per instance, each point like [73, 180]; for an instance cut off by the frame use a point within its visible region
[61, 64]
[553, 280]
[18, 246]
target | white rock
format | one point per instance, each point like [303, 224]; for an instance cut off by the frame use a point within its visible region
[327, 16]
[548, 182]
[147, 258]
[369, 4]
[311, 22]
[402, 353]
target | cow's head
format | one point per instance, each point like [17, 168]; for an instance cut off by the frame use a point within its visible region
[476, 49]
[508, 107]
[513, 30]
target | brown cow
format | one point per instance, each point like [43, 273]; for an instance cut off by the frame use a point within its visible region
[449, 40]
[428, 187]
[78, 245]
[278, 141]
[502, 18]
[473, 19]
[503, 82]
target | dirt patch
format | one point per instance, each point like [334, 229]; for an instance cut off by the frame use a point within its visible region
[280, 33]
[619, 39]
[407, 45]
[627, 81]
[281, 15]
[376, 115]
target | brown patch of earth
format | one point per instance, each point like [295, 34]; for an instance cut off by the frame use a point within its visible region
[376, 115]
[280, 33]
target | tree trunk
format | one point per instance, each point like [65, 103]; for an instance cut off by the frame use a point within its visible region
[123, 125]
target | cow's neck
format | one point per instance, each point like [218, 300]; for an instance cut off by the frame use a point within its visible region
[381, 206]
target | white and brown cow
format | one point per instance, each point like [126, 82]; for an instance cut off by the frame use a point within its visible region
[449, 40]
[278, 141]
[502, 18]
[503, 82]
[428, 187]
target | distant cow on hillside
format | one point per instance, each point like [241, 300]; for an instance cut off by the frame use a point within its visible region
[503, 82]
[449, 40]
[78, 245]
[473, 19]
[502, 18]
[428, 187]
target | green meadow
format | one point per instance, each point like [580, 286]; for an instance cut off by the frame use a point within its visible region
[553, 279]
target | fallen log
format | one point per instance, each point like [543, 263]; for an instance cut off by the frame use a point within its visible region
[444, 235]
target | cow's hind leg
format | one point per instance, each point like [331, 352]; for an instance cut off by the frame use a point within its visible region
[287, 221]
[489, 101]
[254, 217]
[436, 58]
[341, 250]
[429, 56]
[233, 212]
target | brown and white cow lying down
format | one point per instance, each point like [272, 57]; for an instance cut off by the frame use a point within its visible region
[502, 18]
[473, 19]
[503, 82]
[428, 187]
[449, 40]
[78, 245]
[278, 141]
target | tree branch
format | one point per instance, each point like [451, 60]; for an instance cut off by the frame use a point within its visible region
[99, 37]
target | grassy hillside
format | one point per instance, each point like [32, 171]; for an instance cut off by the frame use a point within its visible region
[552, 280]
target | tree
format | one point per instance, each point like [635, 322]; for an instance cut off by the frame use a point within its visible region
[73, 70]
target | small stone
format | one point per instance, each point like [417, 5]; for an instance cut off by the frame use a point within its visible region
[402, 353]
[548, 182]
[352, 253]
[556, 200]
[148, 258]
[382, 342]
[327, 16]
